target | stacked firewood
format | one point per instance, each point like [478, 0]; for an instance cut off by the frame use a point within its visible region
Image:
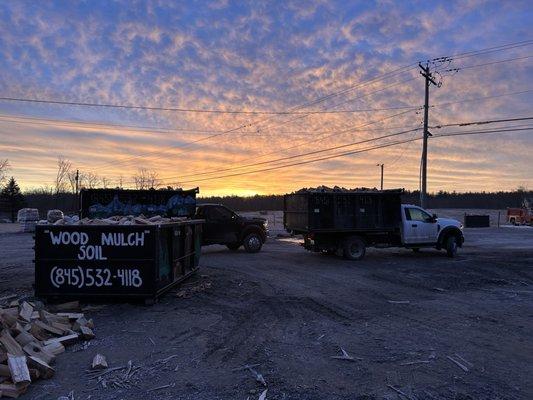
[31, 339]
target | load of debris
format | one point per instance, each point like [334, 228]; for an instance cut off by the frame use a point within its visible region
[339, 189]
[31, 339]
[116, 220]
[27, 218]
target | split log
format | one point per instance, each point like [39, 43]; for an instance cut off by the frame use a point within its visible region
[33, 349]
[87, 333]
[26, 311]
[44, 369]
[65, 328]
[54, 348]
[5, 371]
[10, 344]
[99, 362]
[70, 315]
[64, 340]
[48, 328]
[12, 390]
[19, 369]
[23, 338]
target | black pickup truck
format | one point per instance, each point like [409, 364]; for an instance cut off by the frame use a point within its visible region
[224, 226]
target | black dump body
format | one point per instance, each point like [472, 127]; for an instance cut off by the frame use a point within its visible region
[104, 203]
[342, 210]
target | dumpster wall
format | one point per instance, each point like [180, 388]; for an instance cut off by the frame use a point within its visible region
[342, 210]
[114, 260]
[104, 203]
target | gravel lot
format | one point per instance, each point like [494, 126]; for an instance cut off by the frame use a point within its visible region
[399, 314]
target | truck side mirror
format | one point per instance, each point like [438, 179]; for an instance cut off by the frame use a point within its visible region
[434, 217]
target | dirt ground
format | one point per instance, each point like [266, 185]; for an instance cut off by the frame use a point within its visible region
[399, 314]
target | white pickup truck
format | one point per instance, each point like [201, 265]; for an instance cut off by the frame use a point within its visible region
[422, 229]
[347, 222]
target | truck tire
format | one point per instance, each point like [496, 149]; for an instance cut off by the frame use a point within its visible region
[512, 221]
[451, 246]
[233, 246]
[354, 248]
[253, 242]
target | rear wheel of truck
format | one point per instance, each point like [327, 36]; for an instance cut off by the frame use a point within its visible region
[253, 243]
[354, 248]
[451, 246]
[233, 246]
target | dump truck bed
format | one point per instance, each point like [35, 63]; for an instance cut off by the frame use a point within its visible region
[342, 211]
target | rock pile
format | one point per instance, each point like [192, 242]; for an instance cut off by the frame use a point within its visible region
[32, 338]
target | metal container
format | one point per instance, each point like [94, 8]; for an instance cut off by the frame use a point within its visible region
[342, 210]
[104, 203]
[477, 221]
[126, 261]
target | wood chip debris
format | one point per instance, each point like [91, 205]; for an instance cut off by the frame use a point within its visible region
[346, 356]
[460, 362]
[30, 340]
[399, 301]
[263, 396]
[187, 292]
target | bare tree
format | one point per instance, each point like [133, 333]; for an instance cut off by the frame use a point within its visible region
[105, 182]
[120, 181]
[4, 167]
[146, 179]
[72, 180]
[90, 180]
[63, 168]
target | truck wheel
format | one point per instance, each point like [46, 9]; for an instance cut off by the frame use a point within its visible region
[354, 248]
[512, 221]
[451, 246]
[233, 246]
[253, 243]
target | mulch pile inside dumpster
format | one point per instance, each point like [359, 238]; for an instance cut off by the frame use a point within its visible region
[32, 338]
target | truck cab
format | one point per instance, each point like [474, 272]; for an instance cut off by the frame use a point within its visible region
[422, 229]
[224, 226]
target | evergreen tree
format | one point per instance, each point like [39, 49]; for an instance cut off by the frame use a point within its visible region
[12, 198]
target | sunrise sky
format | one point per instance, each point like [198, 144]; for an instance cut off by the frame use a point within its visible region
[265, 56]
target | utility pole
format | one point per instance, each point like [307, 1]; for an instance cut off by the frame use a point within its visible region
[381, 165]
[426, 73]
[77, 180]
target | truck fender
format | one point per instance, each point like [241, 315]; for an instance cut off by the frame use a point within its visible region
[450, 230]
[249, 229]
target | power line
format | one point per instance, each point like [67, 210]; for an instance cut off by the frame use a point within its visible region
[472, 66]
[192, 110]
[321, 99]
[301, 155]
[19, 119]
[481, 98]
[487, 50]
[339, 132]
[358, 128]
[350, 153]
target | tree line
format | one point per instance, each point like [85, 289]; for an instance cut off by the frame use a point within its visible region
[63, 194]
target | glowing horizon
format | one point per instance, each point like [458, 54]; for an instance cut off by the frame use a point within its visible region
[259, 57]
